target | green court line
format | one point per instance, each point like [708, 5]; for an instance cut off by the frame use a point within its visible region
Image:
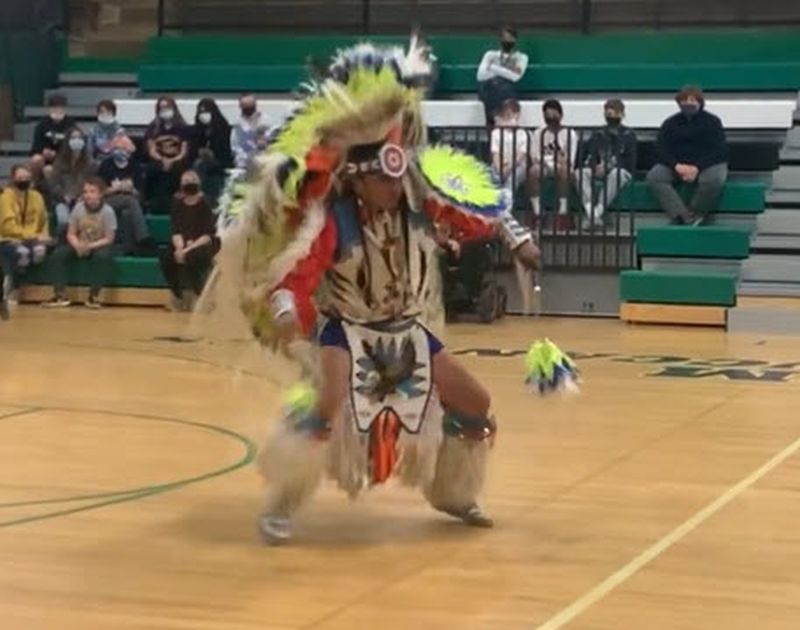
[122, 496]
[21, 412]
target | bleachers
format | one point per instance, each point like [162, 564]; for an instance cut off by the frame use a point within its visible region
[747, 74]
[752, 60]
[135, 280]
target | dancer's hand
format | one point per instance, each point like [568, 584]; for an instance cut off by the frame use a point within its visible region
[285, 332]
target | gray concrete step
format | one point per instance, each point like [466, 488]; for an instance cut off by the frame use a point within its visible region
[784, 198]
[777, 242]
[779, 221]
[787, 177]
[691, 265]
[78, 112]
[14, 147]
[98, 78]
[89, 96]
[778, 289]
[764, 319]
[772, 268]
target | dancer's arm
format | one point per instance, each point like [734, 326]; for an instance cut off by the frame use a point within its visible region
[294, 295]
[462, 226]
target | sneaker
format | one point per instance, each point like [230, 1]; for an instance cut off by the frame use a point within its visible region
[696, 220]
[57, 301]
[472, 516]
[275, 530]
[93, 302]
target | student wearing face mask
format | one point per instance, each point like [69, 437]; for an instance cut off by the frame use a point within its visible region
[50, 132]
[70, 170]
[167, 138]
[211, 147]
[24, 232]
[510, 145]
[499, 72]
[553, 152]
[249, 135]
[691, 148]
[609, 164]
[105, 131]
[193, 245]
[121, 174]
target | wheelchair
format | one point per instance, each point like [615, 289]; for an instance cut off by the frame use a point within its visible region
[470, 281]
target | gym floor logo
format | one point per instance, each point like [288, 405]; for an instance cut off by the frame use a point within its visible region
[676, 367]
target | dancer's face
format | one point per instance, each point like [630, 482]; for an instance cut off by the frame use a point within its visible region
[379, 192]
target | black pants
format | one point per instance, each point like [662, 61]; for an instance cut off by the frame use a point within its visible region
[191, 274]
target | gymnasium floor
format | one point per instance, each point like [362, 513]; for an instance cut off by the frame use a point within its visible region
[127, 498]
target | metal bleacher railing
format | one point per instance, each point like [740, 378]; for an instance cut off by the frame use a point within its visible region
[567, 236]
[393, 16]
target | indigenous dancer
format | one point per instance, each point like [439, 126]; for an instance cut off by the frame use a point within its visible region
[335, 248]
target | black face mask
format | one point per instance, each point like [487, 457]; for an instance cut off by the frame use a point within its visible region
[191, 189]
[613, 121]
[247, 112]
[552, 121]
[507, 47]
[23, 185]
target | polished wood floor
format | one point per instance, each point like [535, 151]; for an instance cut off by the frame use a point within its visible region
[652, 502]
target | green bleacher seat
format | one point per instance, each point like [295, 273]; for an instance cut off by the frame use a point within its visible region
[741, 197]
[753, 59]
[160, 228]
[666, 287]
[681, 241]
[128, 272]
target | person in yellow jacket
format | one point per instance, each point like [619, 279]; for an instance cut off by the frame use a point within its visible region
[24, 230]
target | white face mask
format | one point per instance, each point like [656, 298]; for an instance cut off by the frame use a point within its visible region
[204, 117]
[166, 114]
[106, 119]
[57, 115]
[77, 144]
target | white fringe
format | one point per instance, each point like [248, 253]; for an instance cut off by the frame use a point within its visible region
[348, 456]
[460, 473]
[293, 464]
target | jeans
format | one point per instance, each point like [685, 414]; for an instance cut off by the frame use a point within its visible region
[191, 274]
[15, 258]
[101, 264]
[131, 225]
[710, 183]
[613, 182]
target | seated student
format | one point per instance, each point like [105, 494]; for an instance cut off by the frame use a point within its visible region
[71, 168]
[120, 172]
[167, 139]
[103, 134]
[24, 229]
[510, 146]
[50, 132]
[610, 160]
[193, 246]
[690, 147]
[92, 225]
[249, 134]
[553, 151]
[211, 146]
